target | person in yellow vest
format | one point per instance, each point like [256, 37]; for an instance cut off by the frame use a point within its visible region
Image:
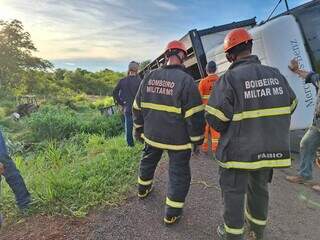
[205, 87]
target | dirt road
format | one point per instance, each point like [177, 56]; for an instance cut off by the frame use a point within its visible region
[294, 213]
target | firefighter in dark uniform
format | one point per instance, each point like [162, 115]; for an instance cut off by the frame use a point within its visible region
[251, 107]
[169, 115]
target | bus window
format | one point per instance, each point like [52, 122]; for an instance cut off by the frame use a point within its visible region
[309, 19]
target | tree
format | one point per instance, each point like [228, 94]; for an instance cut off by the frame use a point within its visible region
[16, 49]
[145, 63]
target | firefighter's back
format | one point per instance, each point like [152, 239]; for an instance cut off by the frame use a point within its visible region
[263, 102]
[162, 98]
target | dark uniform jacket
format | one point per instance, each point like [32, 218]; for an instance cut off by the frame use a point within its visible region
[125, 92]
[251, 107]
[314, 78]
[168, 109]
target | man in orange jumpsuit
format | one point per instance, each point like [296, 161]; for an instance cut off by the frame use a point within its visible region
[205, 87]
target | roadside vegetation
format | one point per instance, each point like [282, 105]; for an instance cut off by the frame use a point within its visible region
[72, 155]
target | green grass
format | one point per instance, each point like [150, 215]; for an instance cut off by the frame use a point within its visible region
[72, 176]
[72, 159]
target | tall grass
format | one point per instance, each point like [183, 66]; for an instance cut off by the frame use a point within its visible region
[71, 176]
[71, 159]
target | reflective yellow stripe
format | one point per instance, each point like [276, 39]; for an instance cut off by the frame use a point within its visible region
[137, 125]
[261, 113]
[135, 105]
[274, 163]
[197, 138]
[174, 204]
[194, 110]
[166, 146]
[144, 183]
[294, 105]
[217, 113]
[205, 96]
[254, 220]
[160, 107]
[235, 231]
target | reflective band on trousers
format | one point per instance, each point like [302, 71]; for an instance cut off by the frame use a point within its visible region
[194, 110]
[197, 138]
[137, 125]
[294, 105]
[144, 183]
[217, 113]
[135, 105]
[174, 204]
[262, 113]
[160, 107]
[235, 231]
[166, 146]
[274, 163]
[254, 220]
[205, 96]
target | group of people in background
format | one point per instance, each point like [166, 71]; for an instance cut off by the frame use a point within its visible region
[246, 113]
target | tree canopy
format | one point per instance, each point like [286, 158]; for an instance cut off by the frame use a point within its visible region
[16, 52]
[23, 73]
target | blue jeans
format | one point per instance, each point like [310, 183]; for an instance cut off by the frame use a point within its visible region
[129, 129]
[13, 177]
[308, 149]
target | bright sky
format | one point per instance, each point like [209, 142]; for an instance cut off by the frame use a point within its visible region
[95, 34]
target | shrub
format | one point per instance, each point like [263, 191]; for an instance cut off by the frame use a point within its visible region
[109, 127]
[59, 122]
[53, 122]
[80, 97]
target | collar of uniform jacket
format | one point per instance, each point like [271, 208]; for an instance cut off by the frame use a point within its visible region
[245, 60]
[182, 67]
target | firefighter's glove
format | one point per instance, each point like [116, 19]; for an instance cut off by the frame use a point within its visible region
[138, 134]
[294, 65]
[1, 168]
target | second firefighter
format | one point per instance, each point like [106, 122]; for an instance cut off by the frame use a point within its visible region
[169, 115]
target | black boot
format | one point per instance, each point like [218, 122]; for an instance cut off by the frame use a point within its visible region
[173, 215]
[144, 191]
[223, 235]
[257, 232]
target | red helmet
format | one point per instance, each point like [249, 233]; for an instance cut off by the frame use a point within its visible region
[176, 45]
[236, 37]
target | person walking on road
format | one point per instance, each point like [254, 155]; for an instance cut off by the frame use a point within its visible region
[124, 94]
[251, 107]
[205, 88]
[13, 177]
[168, 115]
[311, 140]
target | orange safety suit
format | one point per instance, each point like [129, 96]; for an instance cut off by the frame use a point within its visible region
[205, 87]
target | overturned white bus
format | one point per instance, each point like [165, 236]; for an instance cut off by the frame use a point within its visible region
[294, 33]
